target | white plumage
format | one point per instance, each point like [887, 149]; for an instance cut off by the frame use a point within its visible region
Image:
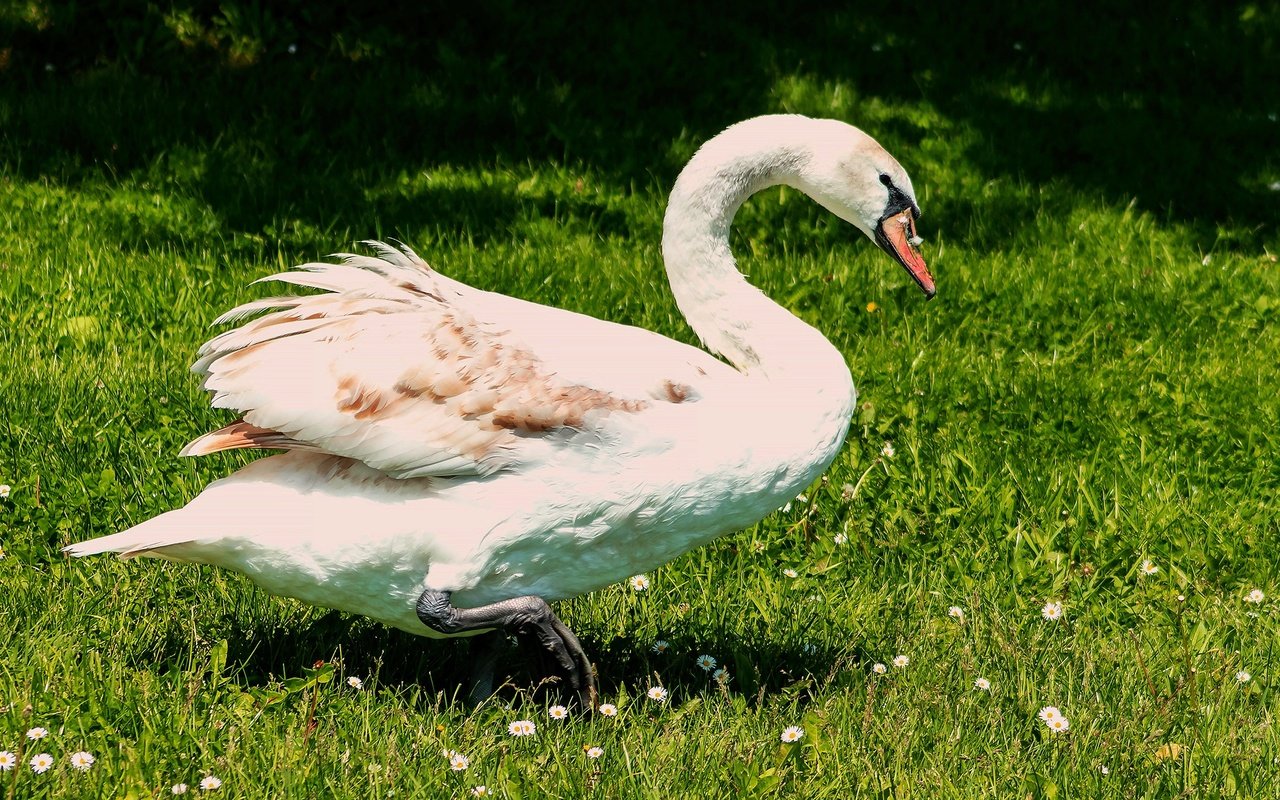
[444, 437]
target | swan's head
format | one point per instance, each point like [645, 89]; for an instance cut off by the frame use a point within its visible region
[856, 179]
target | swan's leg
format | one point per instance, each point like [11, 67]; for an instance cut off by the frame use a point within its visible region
[527, 615]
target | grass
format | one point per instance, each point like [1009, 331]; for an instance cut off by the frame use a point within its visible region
[1093, 386]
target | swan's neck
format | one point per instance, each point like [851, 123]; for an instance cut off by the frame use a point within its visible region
[731, 316]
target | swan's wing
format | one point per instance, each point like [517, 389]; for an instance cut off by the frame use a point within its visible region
[417, 375]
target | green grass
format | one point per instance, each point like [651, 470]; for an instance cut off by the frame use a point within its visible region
[1094, 385]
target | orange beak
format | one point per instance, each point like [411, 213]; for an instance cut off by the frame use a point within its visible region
[896, 235]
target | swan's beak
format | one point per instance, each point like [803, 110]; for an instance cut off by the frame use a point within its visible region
[896, 235]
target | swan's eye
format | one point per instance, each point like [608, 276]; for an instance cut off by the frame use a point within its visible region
[886, 180]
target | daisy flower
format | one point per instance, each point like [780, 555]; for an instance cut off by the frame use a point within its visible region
[608, 710]
[1052, 611]
[1256, 596]
[36, 734]
[982, 683]
[879, 669]
[558, 712]
[1148, 567]
[41, 762]
[639, 582]
[1049, 713]
[1243, 677]
[790, 573]
[1059, 724]
[721, 675]
[458, 762]
[595, 752]
[840, 538]
[957, 612]
[901, 661]
[82, 760]
[661, 646]
[793, 734]
[522, 727]
[658, 694]
[480, 791]
[4, 491]
[7, 760]
[210, 783]
[707, 663]
[355, 683]
[887, 451]
[178, 788]
[1105, 769]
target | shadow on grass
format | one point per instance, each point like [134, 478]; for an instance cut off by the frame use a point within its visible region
[1175, 106]
[401, 661]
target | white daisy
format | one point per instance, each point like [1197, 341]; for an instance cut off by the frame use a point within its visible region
[82, 760]
[879, 668]
[210, 783]
[558, 712]
[639, 582]
[1104, 769]
[1148, 567]
[458, 762]
[957, 612]
[793, 734]
[721, 675]
[707, 663]
[1049, 713]
[41, 762]
[840, 538]
[887, 451]
[1052, 611]
[661, 646]
[1256, 596]
[178, 788]
[36, 734]
[790, 573]
[982, 683]
[901, 661]
[4, 491]
[480, 791]
[608, 710]
[658, 694]
[1059, 724]
[355, 683]
[522, 727]
[595, 752]
[7, 760]
[1243, 677]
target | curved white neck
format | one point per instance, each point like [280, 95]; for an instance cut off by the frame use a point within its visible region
[731, 316]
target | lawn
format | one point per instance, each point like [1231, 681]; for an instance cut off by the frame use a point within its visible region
[1093, 387]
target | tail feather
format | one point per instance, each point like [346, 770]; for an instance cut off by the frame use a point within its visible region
[155, 533]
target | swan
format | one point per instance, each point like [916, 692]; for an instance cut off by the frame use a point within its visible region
[456, 459]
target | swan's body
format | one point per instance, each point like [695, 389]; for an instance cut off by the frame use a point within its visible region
[446, 438]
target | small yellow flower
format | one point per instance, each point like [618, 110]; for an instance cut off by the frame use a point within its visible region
[872, 307]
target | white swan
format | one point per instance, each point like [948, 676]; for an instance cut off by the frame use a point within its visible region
[456, 458]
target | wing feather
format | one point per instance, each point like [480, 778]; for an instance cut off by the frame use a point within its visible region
[407, 371]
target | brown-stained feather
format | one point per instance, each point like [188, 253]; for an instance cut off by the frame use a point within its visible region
[241, 435]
